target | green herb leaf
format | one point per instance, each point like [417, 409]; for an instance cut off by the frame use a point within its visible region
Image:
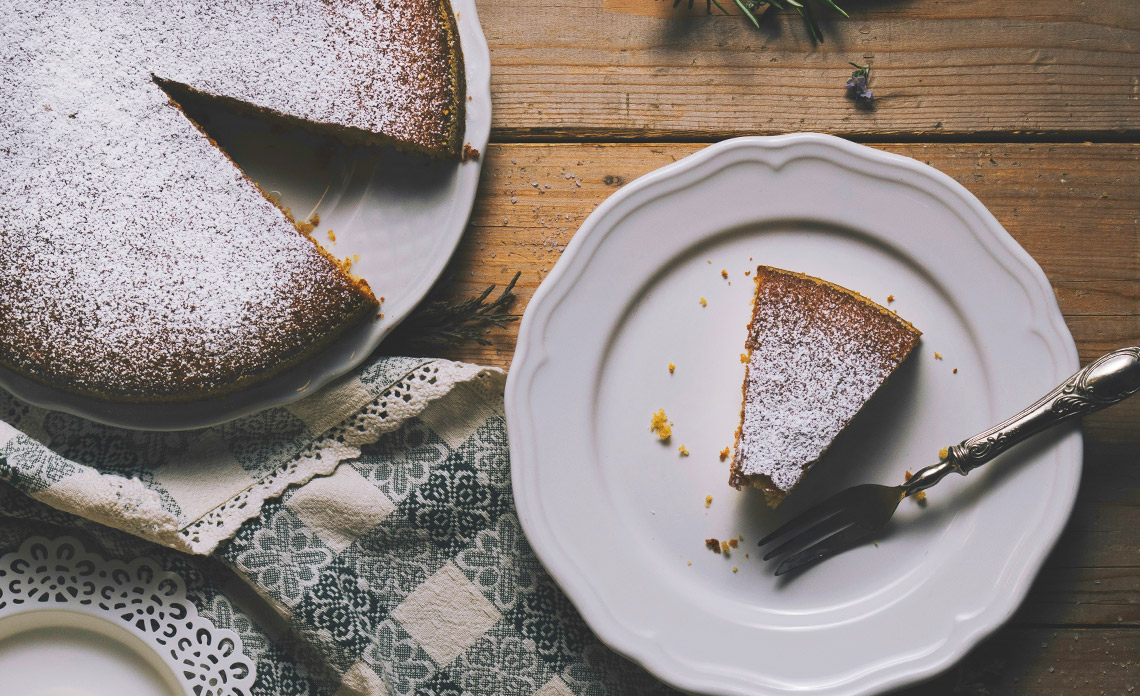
[748, 13]
[809, 17]
[802, 7]
[837, 8]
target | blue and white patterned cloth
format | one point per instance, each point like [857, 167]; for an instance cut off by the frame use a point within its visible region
[362, 541]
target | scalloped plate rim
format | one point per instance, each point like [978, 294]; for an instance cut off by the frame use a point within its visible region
[282, 389]
[162, 656]
[531, 354]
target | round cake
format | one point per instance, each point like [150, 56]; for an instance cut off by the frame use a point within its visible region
[137, 262]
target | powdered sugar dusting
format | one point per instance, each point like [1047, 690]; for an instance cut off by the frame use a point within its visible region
[817, 355]
[134, 257]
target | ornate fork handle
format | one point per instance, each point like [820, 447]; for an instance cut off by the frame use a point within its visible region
[1109, 380]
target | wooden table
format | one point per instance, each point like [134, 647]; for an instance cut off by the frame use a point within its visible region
[1033, 105]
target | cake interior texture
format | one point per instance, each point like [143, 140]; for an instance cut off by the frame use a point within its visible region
[816, 353]
[137, 262]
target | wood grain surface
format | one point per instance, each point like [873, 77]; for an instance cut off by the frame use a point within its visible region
[1033, 105]
[632, 69]
[1075, 207]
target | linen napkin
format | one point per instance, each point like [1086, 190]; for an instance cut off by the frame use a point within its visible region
[362, 540]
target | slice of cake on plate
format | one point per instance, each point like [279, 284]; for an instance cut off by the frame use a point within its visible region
[816, 353]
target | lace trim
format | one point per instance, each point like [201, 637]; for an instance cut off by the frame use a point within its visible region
[404, 399]
[139, 597]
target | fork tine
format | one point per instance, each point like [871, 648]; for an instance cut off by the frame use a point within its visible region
[813, 515]
[812, 533]
[840, 541]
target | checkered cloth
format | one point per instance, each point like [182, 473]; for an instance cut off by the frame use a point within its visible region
[361, 541]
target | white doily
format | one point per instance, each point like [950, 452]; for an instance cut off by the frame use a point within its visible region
[150, 603]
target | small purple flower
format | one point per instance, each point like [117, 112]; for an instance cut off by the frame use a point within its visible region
[857, 88]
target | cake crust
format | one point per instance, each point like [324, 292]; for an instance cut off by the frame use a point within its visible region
[137, 262]
[816, 353]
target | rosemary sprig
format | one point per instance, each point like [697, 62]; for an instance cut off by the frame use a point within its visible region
[747, 12]
[751, 8]
[450, 323]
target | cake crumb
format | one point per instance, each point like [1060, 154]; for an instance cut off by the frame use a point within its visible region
[660, 425]
[724, 273]
[712, 545]
[708, 500]
[741, 537]
[937, 355]
[724, 454]
[724, 547]
[689, 563]
[943, 453]
[955, 370]
[671, 368]
[744, 358]
[704, 302]
[734, 569]
[890, 299]
[332, 236]
[748, 273]
[469, 153]
[746, 555]
[709, 261]
[733, 543]
[683, 450]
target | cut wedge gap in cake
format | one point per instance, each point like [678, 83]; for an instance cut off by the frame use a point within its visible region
[196, 105]
[816, 353]
[138, 263]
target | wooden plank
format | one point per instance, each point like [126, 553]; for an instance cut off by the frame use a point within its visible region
[1093, 575]
[1074, 207]
[1043, 662]
[1103, 596]
[618, 69]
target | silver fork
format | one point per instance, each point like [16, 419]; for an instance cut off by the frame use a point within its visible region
[855, 515]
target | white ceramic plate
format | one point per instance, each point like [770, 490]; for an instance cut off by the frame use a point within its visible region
[616, 516]
[118, 628]
[402, 216]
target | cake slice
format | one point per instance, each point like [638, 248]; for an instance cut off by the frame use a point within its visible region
[816, 353]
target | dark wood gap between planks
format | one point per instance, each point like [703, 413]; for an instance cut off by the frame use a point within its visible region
[1073, 627]
[564, 136]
